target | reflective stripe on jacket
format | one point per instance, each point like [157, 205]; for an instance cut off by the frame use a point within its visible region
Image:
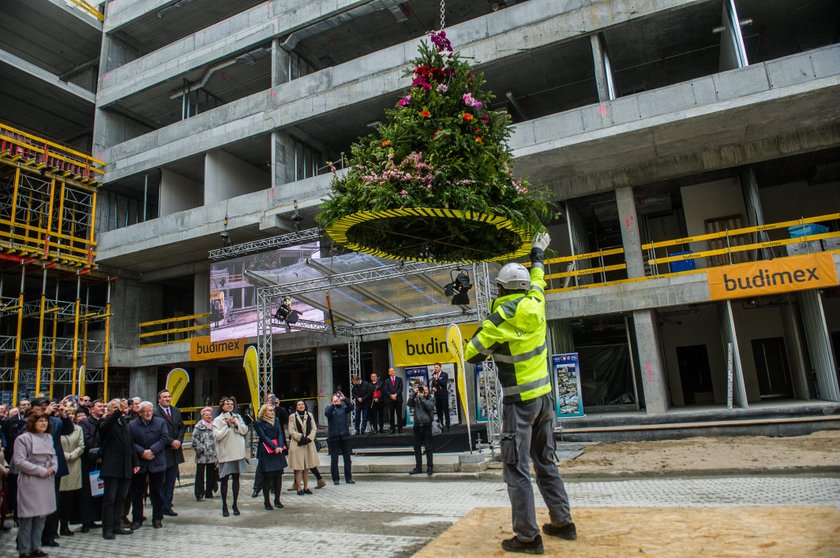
[514, 334]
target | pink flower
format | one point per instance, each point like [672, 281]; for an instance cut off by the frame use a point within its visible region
[403, 193]
[442, 88]
[471, 101]
[440, 41]
[405, 100]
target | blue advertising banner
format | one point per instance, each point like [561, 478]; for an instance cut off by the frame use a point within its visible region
[414, 376]
[566, 370]
[485, 382]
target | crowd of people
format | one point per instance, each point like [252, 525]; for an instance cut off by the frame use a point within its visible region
[77, 462]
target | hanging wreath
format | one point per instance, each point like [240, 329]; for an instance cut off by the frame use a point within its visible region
[435, 183]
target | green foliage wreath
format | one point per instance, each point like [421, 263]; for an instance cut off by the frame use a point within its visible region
[441, 147]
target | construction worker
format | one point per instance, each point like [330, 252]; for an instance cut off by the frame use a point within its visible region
[514, 334]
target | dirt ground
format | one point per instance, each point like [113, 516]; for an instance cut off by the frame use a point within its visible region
[721, 454]
[661, 532]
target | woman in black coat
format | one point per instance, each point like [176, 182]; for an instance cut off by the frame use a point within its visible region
[270, 453]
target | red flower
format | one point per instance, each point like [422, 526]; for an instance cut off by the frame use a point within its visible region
[479, 140]
[425, 114]
[467, 116]
[386, 143]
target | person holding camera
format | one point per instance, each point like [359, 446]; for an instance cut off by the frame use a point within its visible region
[303, 454]
[119, 465]
[338, 436]
[423, 404]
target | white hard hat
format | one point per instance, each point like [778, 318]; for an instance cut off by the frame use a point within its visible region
[514, 277]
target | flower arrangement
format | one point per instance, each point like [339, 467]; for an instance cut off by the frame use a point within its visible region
[435, 182]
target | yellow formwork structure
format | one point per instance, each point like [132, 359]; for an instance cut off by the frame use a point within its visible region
[47, 221]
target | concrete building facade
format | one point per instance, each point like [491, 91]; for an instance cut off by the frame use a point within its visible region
[651, 120]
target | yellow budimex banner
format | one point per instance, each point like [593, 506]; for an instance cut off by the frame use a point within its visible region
[424, 346]
[794, 273]
[176, 383]
[252, 372]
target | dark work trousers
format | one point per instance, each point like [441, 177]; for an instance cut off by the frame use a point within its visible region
[51, 524]
[528, 430]
[423, 437]
[171, 475]
[377, 417]
[361, 416]
[395, 414]
[138, 494]
[69, 511]
[205, 480]
[11, 494]
[340, 447]
[116, 491]
[442, 409]
[90, 507]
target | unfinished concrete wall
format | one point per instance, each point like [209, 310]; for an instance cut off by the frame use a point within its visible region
[756, 323]
[710, 200]
[178, 193]
[226, 176]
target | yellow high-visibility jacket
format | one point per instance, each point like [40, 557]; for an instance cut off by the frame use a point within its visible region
[514, 334]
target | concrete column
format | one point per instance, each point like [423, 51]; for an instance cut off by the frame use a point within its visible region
[201, 292]
[323, 360]
[654, 379]
[110, 128]
[819, 344]
[143, 383]
[603, 74]
[280, 63]
[633, 256]
[730, 335]
[282, 159]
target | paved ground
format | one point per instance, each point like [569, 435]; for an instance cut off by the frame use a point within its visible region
[399, 515]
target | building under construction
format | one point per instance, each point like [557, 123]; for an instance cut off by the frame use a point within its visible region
[682, 140]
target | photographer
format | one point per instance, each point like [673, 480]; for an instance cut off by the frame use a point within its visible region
[338, 436]
[423, 404]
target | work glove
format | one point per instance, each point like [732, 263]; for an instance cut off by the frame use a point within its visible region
[541, 241]
[539, 244]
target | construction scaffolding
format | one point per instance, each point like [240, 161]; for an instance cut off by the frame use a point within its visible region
[54, 304]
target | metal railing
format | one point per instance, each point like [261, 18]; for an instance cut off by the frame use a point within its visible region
[171, 330]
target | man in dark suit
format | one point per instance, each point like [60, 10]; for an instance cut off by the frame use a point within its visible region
[90, 507]
[393, 390]
[174, 454]
[119, 464]
[440, 387]
[150, 438]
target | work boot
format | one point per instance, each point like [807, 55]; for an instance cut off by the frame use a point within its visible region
[567, 531]
[515, 545]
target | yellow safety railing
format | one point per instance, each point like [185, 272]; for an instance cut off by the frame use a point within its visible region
[89, 9]
[177, 334]
[653, 261]
[39, 153]
[733, 249]
[601, 269]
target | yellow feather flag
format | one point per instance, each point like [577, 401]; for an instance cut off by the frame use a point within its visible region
[176, 383]
[252, 373]
[455, 343]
